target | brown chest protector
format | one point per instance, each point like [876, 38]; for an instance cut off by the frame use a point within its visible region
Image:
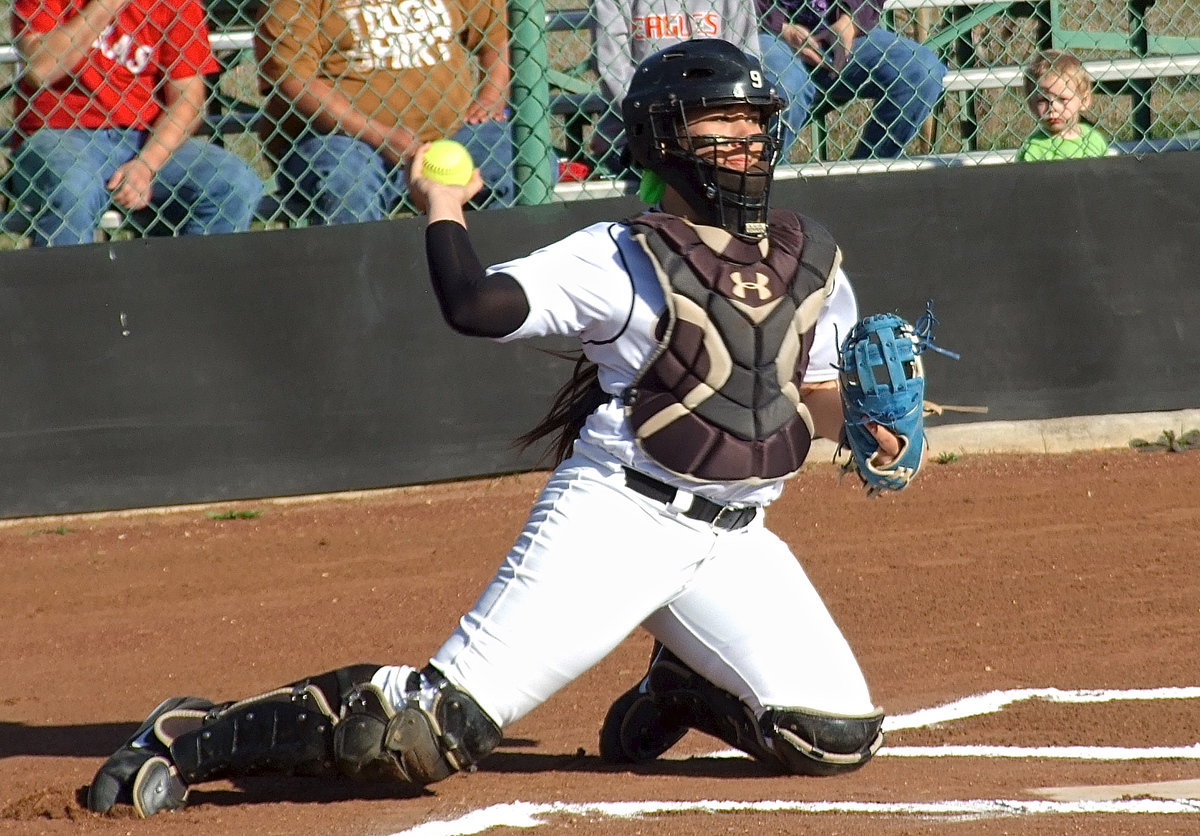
[719, 400]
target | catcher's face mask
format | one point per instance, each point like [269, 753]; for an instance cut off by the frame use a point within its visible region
[686, 118]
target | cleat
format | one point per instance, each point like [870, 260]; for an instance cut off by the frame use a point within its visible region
[114, 782]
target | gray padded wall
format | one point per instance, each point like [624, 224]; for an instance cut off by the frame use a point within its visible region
[167, 371]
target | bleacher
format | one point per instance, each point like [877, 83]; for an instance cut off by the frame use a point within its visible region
[1139, 58]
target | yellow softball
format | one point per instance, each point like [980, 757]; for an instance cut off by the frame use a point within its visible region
[449, 162]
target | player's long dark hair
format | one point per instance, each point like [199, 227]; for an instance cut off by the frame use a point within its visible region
[578, 398]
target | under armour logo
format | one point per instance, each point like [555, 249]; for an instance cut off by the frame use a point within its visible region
[760, 283]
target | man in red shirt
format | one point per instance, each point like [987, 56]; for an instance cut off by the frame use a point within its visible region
[110, 94]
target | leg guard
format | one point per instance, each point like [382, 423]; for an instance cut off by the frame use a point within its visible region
[816, 743]
[188, 739]
[650, 718]
[439, 731]
[289, 730]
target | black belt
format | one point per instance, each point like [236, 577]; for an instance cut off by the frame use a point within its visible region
[727, 517]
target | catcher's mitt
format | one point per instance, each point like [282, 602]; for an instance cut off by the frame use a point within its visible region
[883, 381]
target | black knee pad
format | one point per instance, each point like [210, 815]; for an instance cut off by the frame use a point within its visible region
[452, 734]
[812, 742]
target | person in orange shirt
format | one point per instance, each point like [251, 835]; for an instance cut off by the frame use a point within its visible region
[354, 87]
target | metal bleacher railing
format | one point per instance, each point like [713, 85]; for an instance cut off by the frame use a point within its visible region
[1144, 56]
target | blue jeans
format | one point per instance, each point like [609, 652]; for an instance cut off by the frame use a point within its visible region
[903, 78]
[59, 177]
[345, 180]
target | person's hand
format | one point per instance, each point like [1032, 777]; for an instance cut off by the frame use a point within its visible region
[132, 184]
[888, 441]
[489, 106]
[800, 39]
[838, 54]
[439, 200]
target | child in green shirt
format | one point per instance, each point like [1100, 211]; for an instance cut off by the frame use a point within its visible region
[1059, 92]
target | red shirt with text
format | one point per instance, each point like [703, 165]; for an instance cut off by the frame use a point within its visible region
[116, 83]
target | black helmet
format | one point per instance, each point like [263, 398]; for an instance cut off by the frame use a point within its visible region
[703, 73]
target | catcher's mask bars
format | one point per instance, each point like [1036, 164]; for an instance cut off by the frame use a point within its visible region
[666, 89]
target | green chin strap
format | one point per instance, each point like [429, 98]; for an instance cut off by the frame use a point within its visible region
[652, 188]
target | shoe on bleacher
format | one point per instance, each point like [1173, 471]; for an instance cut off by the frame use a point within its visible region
[141, 772]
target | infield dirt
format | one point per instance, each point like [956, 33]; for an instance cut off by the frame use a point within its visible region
[1071, 571]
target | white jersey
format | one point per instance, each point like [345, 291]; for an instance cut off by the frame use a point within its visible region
[599, 285]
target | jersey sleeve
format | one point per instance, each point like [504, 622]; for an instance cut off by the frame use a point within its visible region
[287, 41]
[578, 286]
[838, 315]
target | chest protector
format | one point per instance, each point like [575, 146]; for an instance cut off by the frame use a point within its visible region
[719, 400]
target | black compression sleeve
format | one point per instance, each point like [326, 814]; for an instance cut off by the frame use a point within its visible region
[472, 303]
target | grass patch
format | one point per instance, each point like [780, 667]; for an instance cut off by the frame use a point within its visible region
[946, 458]
[234, 515]
[1169, 442]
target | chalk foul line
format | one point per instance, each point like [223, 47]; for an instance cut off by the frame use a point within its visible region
[995, 701]
[528, 814]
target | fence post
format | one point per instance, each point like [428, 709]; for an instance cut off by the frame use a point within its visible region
[530, 101]
[1139, 45]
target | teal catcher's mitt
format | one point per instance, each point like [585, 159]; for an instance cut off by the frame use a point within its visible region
[883, 382]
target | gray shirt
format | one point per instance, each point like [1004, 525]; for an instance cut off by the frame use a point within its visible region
[627, 31]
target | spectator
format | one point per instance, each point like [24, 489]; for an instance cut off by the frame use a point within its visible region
[354, 88]
[1059, 92]
[628, 31]
[815, 50]
[110, 94]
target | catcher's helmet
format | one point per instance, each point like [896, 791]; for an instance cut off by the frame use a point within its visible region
[693, 74]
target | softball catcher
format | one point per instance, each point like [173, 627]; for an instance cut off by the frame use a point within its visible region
[710, 359]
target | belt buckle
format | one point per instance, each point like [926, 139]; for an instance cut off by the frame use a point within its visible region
[735, 512]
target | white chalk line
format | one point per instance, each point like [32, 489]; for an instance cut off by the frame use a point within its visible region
[529, 814]
[995, 701]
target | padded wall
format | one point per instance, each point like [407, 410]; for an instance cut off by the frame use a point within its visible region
[165, 371]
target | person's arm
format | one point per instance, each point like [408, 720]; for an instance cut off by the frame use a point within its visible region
[184, 106]
[472, 302]
[741, 26]
[495, 74]
[50, 56]
[614, 50]
[844, 31]
[329, 110]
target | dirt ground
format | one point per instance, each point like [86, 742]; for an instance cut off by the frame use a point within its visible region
[1071, 571]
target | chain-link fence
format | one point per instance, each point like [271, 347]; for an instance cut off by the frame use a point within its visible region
[306, 109]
